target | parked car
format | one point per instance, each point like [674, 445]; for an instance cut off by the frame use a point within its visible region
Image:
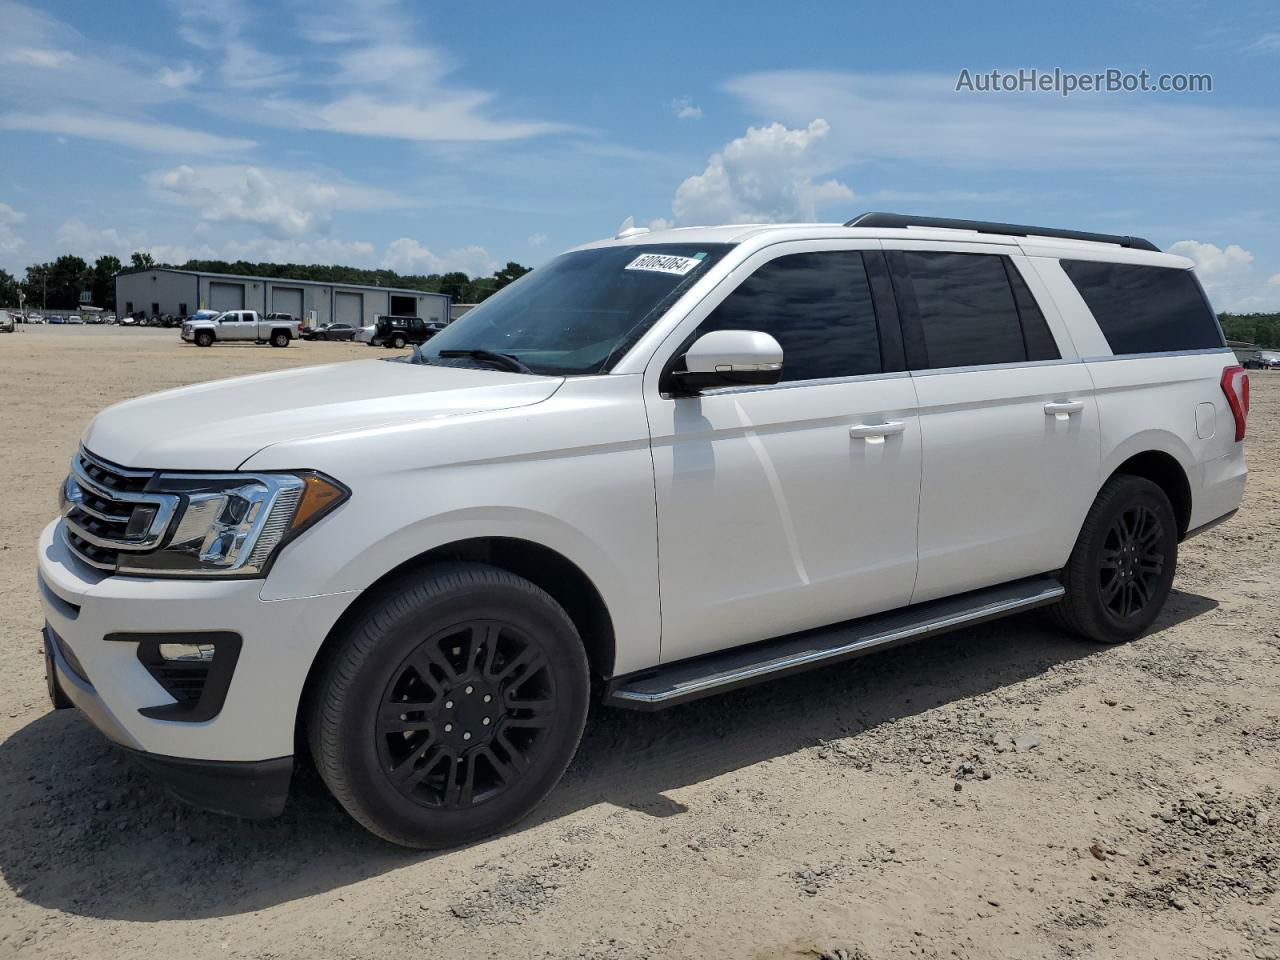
[366, 334]
[109, 319]
[336, 331]
[75, 318]
[6, 322]
[399, 332]
[660, 467]
[57, 318]
[35, 318]
[1263, 360]
[244, 325]
[311, 332]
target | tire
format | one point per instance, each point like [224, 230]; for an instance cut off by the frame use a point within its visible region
[1122, 567]
[204, 338]
[398, 341]
[456, 769]
[280, 338]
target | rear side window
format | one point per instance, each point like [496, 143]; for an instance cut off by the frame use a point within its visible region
[973, 309]
[817, 306]
[1143, 309]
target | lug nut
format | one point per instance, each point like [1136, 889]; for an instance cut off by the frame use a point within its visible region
[487, 698]
[467, 735]
[485, 721]
[448, 704]
[469, 688]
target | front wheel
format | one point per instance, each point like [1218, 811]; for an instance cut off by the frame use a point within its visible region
[452, 707]
[1121, 570]
[204, 338]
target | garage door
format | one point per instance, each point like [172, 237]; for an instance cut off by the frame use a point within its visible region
[404, 306]
[348, 308]
[226, 296]
[287, 300]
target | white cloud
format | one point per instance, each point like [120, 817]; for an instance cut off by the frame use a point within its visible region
[921, 118]
[765, 175]
[660, 223]
[538, 240]
[77, 237]
[10, 240]
[407, 255]
[179, 79]
[1267, 43]
[283, 203]
[366, 75]
[1228, 278]
[140, 134]
[356, 253]
[686, 109]
[35, 57]
[222, 28]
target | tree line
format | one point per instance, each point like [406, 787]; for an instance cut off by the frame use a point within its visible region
[1262, 329]
[57, 285]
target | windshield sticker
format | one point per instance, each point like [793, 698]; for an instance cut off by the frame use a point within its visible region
[665, 263]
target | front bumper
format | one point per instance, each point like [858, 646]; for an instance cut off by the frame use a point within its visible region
[280, 639]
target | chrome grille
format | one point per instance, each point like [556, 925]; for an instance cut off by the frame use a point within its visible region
[106, 511]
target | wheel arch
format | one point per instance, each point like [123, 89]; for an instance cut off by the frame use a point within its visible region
[1166, 472]
[548, 569]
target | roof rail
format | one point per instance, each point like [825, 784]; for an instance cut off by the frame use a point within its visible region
[984, 226]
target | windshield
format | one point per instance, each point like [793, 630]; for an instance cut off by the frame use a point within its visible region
[582, 311]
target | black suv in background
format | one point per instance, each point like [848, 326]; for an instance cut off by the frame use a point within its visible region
[400, 331]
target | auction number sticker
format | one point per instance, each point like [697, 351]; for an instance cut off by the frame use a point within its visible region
[665, 263]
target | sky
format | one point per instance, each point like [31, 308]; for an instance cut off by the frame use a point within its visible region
[427, 137]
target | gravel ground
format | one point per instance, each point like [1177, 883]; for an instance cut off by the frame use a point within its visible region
[1005, 791]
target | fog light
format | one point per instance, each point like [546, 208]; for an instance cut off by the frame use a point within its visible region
[187, 652]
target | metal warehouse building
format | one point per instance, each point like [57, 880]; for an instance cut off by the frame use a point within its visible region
[162, 290]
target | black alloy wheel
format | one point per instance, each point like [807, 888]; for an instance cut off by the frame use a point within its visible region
[465, 714]
[449, 705]
[1131, 561]
[1122, 567]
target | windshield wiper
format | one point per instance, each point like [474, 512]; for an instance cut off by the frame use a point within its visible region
[507, 361]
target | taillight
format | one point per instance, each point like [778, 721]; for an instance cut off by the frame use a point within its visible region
[1235, 384]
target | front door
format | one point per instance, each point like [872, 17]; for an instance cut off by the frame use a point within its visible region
[791, 506]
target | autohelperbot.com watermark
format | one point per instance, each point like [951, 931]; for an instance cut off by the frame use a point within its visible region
[1065, 82]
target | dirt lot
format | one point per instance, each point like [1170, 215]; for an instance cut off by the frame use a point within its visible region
[873, 810]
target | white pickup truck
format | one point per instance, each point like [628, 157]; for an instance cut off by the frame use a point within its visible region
[658, 467]
[276, 329]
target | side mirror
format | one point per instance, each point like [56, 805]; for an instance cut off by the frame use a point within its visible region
[730, 358]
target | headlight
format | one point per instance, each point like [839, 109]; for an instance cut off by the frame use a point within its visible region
[233, 524]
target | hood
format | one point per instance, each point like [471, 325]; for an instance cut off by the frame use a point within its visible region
[219, 425]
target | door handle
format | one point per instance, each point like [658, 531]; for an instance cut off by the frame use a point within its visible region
[872, 431]
[1063, 408]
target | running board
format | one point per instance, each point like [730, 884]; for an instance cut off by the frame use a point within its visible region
[685, 680]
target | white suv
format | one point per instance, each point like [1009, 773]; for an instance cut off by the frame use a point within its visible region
[669, 463]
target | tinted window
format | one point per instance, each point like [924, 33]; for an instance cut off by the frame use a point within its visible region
[817, 306]
[1035, 331]
[1146, 309]
[966, 308]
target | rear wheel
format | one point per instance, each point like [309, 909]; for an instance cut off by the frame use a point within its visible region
[280, 339]
[452, 707]
[1123, 564]
[204, 338]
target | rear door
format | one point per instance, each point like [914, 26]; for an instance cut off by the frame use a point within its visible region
[236, 325]
[790, 506]
[1008, 417]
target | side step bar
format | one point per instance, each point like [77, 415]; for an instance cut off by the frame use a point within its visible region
[685, 680]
